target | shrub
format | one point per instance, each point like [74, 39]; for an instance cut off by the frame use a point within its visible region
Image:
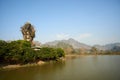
[20, 51]
[3, 49]
[29, 55]
[60, 52]
[47, 53]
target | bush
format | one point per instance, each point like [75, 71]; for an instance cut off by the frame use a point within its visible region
[20, 51]
[29, 55]
[16, 51]
[47, 53]
[3, 49]
[60, 52]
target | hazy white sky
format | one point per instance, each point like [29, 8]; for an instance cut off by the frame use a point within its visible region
[88, 21]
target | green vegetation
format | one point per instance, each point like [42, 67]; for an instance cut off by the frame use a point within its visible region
[47, 53]
[68, 49]
[20, 51]
[94, 50]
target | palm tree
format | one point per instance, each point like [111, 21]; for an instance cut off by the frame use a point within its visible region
[28, 32]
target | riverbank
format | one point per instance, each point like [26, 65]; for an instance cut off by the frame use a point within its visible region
[14, 66]
[39, 63]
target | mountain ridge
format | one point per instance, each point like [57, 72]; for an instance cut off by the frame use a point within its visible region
[76, 44]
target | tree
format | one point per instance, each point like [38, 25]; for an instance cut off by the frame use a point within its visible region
[29, 55]
[20, 51]
[3, 49]
[47, 53]
[16, 50]
[60, 52]
[28, 32]
[94, 50]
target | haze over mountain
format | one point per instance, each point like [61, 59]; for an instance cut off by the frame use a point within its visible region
[76, 45]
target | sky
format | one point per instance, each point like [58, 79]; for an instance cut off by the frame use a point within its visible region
[87, 21]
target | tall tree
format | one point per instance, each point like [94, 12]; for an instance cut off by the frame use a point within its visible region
[94, 50]
[28, 32]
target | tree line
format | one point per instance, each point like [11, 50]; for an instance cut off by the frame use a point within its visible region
[20, 51]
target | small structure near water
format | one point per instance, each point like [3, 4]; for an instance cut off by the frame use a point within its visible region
[36, 48]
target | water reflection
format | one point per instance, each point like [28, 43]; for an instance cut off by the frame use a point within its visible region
[74, 68]
[43, 72]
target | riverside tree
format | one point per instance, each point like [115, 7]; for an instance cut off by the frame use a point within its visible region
[20, 51]
[94, 50]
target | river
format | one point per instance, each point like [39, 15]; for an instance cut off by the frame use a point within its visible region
[75, 68]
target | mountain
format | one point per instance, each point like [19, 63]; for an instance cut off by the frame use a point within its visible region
[75, 44]
[116, 49]
[111, 46]
[108, 46]
[100, 47]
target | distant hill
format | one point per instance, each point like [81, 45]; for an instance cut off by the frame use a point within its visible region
[36, 43]
[100, 47]
[116, 49]
[76, 45]
[108, 46]
[111, 46]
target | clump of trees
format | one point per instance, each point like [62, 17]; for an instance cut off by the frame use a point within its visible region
[20, 51]
[68, 49]
[47, 53]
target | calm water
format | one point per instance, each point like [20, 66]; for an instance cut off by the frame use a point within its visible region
[79, 68]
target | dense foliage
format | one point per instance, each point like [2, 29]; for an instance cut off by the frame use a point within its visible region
[47, 53]
[68, 49]
[20, 51]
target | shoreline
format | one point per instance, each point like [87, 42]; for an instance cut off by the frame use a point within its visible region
[16, 66]
[39, 63]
